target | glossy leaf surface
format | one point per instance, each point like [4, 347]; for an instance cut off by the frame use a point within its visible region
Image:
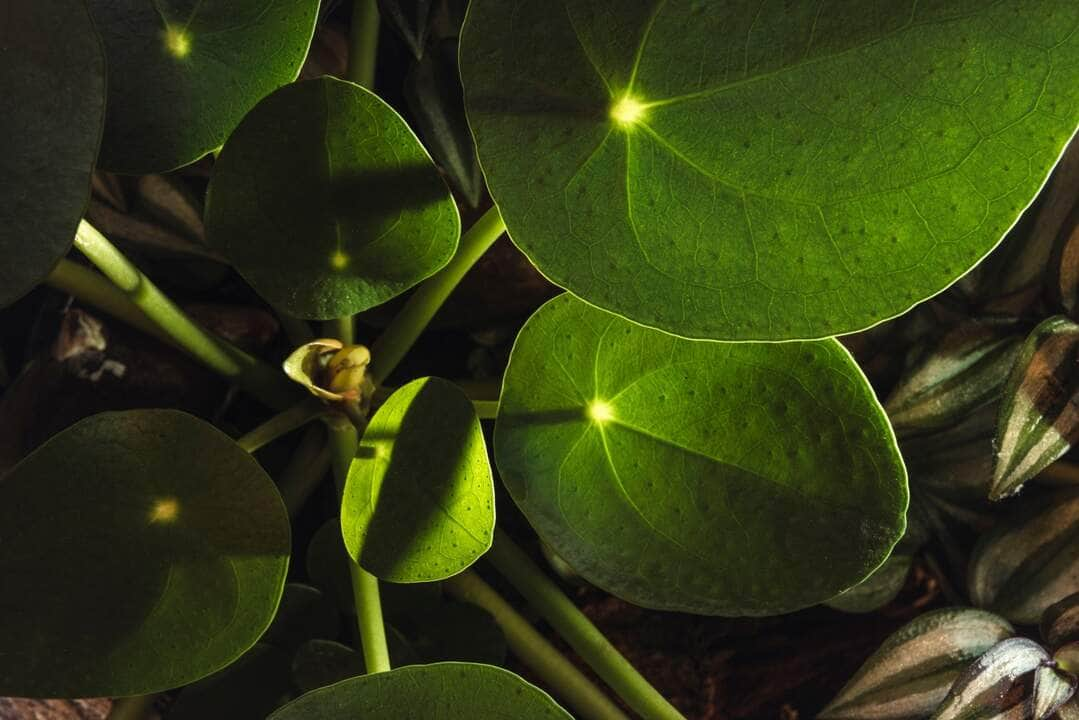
[694, 475]
[419, 501]
[326, 202]
[912, 671]
[182, 73]
[143, 550]
[445, 691]
[54, 95]
[745, 171]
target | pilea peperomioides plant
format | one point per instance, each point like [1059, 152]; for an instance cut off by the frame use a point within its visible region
[705, 179]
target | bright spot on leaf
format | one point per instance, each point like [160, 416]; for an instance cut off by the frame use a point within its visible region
[165, 510]
[627, 111]
[600, 411]
[339, 260]
[177, 42]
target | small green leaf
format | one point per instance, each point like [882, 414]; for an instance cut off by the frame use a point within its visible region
[182, 73]
[912, 671]
[877, 590]
[717, 478]
[445, 691]
[1030, 559]
[766, 171]
[327, 203]
[323, 662]
[419, 502]
[248, 689]
[1039, 416]
[305, 612]
[993, 687]
[143, 550]
[53, 85]
[963, 371]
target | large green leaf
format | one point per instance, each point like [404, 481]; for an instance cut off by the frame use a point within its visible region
[748, 170]
[718, 478]
[327, 203]
[52, 79]
[182, 73]
[141, 551]
[444, 691]
[419, 502]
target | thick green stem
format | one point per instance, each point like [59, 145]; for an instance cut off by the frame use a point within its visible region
[392, 345]
[543, 658]
[363, 43]
[305, 469]
[282, 423]
[577, 630]
[376, 655]
[341, 328]
[486, 409]
[137, 707]
[93, 289]
[264, 382]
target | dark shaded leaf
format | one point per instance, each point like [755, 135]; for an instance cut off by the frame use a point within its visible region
[1060, 622]
[434, 95]
[182, 73]
[318, 663]
[155, 526]
[305, 612]
[54, 94]
[409, 18]
[877, 590]
[248, 689]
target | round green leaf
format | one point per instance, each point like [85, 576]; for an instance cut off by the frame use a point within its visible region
[182, 73]
[326, 202]
[739, 170]
[142, 550]
[716, 478]
[54, 94]
[419, 501]
[444, 691]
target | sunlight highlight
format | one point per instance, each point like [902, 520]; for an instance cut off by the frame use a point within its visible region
[165, 510]
[339, 260]
[177, 42]
[627, 111]
[600, 411]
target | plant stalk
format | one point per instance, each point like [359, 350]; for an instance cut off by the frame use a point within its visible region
[363, 43]
[577, 630]
[280, 424]
[376, 654]
[305, 469]
[414, 317]
[582, 695]
[264, 382]
[93, 289]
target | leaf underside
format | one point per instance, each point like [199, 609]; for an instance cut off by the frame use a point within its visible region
[143, 550]
[790, 170]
